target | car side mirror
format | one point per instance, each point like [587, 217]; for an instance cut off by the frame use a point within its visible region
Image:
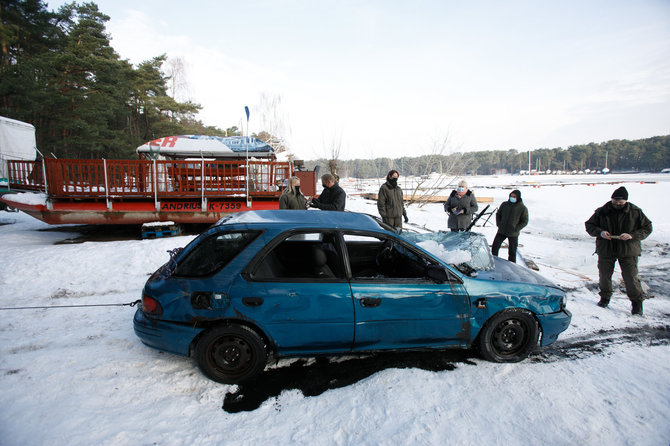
[437, 273]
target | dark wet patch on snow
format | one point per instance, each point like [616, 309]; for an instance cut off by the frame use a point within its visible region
[601, 341]
[314, 378]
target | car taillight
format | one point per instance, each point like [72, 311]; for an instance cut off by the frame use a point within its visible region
[151, 305]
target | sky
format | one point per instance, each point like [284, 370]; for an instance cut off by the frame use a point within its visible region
[399, 78]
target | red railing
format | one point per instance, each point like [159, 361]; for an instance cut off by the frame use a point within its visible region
[27, 175]
[66, 178]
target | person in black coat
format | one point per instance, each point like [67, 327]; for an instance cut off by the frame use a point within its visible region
[333, 197]
[511, 218]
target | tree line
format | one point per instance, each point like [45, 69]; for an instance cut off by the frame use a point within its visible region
[642, 155]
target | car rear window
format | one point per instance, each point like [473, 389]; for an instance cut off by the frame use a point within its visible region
[214, 252]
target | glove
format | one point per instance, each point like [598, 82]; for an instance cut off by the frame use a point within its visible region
[314, 203]
[406, 219]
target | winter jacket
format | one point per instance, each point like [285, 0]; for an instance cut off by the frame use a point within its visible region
[390, 203]
[511, 218]
[292, 200]
[630, 220]
[467, 203]
[331, 199]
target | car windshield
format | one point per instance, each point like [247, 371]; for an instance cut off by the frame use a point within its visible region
[466, 251]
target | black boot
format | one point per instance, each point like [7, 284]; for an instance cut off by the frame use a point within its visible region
[637, 308]
[603, 302]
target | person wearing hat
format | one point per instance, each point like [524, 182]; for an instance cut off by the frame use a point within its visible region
[460, 206]
[618, 227]
[511, 218]
[390, 201]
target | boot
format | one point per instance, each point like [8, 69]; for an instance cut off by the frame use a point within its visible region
[603, 302]
[637, 308]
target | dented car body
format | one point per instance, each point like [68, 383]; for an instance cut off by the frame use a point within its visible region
[303, 283]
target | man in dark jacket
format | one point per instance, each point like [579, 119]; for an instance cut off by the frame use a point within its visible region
[511, 218]
[390, 202]
[333, 197]
[618, 227]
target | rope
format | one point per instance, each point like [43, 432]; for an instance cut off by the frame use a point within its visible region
[130, 304]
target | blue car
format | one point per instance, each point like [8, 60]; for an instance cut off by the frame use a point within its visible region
[269, 284]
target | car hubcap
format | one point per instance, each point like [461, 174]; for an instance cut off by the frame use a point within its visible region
[231, 354]
[509, 337]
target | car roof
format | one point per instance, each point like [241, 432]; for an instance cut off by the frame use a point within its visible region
[294, 218]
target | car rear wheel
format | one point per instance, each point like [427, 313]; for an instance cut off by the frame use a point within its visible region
[509, 336]
[231, 354]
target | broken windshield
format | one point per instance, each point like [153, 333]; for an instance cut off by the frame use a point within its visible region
[465, 250]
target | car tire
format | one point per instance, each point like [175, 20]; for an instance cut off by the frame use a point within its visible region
[509, 336]
[231, 354]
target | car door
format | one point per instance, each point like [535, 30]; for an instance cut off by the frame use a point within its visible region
[298, 293]
[396, 304]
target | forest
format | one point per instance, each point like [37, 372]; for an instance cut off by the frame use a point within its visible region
[59, 72]
[642, 155]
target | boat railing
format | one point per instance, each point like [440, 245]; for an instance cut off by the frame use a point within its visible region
[70, 178]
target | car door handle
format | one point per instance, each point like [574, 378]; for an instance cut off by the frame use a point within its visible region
[252, 301]
[369, 302]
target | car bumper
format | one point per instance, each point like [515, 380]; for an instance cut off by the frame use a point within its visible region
[163, 335]
[553, 324]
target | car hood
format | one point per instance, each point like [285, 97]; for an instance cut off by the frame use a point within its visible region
[511, 272]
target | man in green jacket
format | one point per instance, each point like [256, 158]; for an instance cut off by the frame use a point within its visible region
[618, 227]
[390, 203]
[511, 218]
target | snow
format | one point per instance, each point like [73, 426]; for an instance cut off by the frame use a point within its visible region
[31, 198]
[80, 376]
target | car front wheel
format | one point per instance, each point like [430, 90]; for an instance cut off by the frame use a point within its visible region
[509, 336]
[231, 354]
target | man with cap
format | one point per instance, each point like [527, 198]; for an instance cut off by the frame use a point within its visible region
[511, 218]
[618, 227]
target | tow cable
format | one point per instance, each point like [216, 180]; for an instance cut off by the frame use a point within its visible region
[129, 304]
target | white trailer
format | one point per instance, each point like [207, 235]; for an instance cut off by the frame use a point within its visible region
[17, 142]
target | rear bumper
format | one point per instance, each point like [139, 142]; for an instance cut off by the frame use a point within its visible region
[553, 324]
[162, 335]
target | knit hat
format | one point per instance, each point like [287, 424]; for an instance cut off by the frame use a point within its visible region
[620, 194]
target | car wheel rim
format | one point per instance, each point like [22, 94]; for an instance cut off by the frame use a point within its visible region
[231, 354]
[509, 337]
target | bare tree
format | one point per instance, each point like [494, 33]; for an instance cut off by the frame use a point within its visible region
[333, 149]
[436, 171]
[273, 128]
[175, 69]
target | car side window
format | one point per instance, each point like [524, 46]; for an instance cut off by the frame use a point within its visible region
[372, 257]
[302, 256]
[214, 252]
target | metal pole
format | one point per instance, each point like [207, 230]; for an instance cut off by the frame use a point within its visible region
[104, 166]
[155, 175]
[246, 110]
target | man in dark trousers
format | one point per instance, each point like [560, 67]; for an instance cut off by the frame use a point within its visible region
[390, 202]
[333, 197]
[618, 227]
[511, 218]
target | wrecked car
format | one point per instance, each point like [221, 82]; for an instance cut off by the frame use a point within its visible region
[270, 284]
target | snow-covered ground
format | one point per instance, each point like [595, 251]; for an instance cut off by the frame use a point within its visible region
[80, 376]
